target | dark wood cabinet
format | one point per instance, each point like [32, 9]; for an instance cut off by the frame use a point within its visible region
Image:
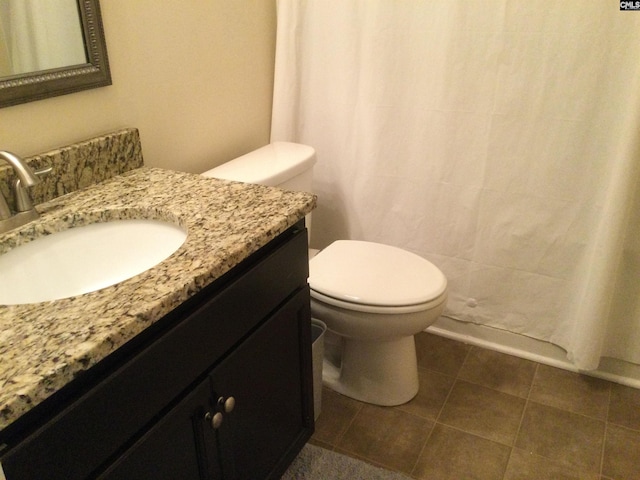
[262, 377]
[175, 447]
[239, 351]
[238, 423]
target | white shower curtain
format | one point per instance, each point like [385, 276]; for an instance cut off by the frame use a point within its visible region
[497, 138]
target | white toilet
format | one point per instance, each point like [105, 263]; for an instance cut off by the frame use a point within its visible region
[373, 298]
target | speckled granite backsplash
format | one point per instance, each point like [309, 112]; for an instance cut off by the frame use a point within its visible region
[79, 165]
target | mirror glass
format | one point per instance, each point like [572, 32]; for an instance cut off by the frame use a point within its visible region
[50, 47]
[39, 35]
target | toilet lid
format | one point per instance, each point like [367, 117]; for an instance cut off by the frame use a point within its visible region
[369, 273]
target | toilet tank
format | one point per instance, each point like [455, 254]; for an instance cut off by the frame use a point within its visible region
[280, 164]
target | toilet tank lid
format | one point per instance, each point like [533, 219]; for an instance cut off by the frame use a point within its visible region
[375, 274]
[270, 165]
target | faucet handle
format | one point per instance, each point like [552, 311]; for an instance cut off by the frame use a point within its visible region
[23, 199]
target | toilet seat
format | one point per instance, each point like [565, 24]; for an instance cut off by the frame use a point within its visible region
[375, 278]
[382, 310]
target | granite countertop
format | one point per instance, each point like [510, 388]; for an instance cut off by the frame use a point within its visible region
[43, 346]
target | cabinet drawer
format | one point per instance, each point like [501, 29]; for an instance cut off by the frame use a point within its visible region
[95, 426]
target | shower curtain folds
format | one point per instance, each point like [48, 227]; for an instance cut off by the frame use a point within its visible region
[499, 139]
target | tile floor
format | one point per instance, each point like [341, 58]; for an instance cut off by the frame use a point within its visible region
[485, 415]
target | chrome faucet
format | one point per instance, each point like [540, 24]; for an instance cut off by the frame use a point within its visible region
[26, 177]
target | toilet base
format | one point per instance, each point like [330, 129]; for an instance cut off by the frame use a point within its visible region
[381, 373]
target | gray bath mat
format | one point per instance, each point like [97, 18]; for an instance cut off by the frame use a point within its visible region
[315, 463]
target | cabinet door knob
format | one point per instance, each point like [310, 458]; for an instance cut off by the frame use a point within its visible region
[215, 420]
[227, 404]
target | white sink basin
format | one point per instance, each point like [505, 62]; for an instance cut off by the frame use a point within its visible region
[85, 259]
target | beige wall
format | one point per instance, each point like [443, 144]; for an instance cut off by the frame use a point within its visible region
[195, 77]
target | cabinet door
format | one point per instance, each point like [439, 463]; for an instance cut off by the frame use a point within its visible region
[269, 379]
[177, 447]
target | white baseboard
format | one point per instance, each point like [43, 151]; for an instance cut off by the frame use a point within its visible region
[532, 349]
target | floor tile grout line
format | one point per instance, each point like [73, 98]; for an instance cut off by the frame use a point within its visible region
[620, 425]
[623, 427]
[424, 445]
[606, 428]
[524, 411]
[567, 410]
[477, 435]
[435, 421]
[344, 432]
[456, 377]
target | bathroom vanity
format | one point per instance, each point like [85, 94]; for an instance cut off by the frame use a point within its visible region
[199, 368]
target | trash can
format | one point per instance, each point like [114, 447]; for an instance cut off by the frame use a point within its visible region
[317, 351]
